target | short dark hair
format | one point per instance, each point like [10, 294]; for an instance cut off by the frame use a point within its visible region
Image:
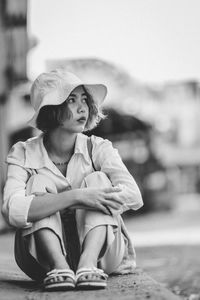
[52, 116]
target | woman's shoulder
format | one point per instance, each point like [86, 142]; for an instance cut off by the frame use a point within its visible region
[17, 153]
[100, 143]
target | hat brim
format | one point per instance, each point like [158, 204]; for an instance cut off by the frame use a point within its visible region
[97, 91]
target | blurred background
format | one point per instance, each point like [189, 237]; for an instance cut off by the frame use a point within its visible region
[147, 53]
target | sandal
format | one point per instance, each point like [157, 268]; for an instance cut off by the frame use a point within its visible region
[59, 279]
[91, 278]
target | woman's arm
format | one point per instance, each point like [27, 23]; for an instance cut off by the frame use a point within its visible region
[107, 159]
[88, 198]
[21, 209]
[15, 202]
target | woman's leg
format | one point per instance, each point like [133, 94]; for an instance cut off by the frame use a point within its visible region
[92, 247]
[60, 276]
[100, 235]
[41, 248]
[48, 253]
[49, 249]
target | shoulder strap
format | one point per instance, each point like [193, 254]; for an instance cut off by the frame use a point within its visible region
[89, 146]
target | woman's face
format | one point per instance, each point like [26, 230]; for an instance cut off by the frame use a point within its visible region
[79, 111]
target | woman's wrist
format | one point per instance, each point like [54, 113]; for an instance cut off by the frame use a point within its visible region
[73, 198]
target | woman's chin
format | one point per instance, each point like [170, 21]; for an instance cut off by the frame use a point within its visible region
[76, 129]
[80, 128]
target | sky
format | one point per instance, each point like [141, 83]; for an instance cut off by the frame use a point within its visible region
[154, 40]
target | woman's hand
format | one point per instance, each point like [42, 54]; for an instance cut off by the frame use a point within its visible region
[99, 199]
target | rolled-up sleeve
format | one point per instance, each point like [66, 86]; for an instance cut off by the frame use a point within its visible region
[16, 203]
[108, 160]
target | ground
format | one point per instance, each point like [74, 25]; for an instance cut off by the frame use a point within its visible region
[168, 246]
[177, 267]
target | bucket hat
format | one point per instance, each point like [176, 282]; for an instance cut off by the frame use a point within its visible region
[53, 88]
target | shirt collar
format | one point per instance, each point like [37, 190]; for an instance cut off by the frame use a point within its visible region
[81, 146]
[36, 156]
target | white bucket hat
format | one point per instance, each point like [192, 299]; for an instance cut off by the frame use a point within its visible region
[54, 88]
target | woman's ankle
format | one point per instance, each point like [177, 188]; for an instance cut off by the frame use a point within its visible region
[87, 261]
[59, 263]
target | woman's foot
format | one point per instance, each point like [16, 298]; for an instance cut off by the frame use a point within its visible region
[59, 279]
[88, 276]
[59, 276]
[91, 278]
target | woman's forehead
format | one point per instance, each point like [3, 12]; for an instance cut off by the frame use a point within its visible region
[78, 90]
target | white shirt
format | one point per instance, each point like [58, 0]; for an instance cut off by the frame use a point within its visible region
[30, 157]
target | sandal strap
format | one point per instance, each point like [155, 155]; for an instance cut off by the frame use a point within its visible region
[59, 272]
[85, 271]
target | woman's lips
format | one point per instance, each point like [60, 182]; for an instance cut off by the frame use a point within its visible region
[81, 120]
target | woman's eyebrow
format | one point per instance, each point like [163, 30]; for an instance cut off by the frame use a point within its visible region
[74, 95]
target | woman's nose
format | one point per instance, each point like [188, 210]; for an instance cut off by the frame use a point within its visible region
[80, 107]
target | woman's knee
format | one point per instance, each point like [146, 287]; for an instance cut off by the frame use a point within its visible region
[96, 179]
[88, 220]
[91, 219]
[39, 184]
[95, 218]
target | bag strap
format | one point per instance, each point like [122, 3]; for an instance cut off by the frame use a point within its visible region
[90, 146]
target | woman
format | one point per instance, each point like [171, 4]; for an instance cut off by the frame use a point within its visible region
[60, 174]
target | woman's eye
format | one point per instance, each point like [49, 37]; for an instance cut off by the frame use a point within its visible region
[70, 100]
[84, 100]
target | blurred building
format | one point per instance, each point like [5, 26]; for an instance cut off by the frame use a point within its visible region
[14, 47]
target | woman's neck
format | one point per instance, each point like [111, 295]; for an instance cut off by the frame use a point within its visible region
[60, 144]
